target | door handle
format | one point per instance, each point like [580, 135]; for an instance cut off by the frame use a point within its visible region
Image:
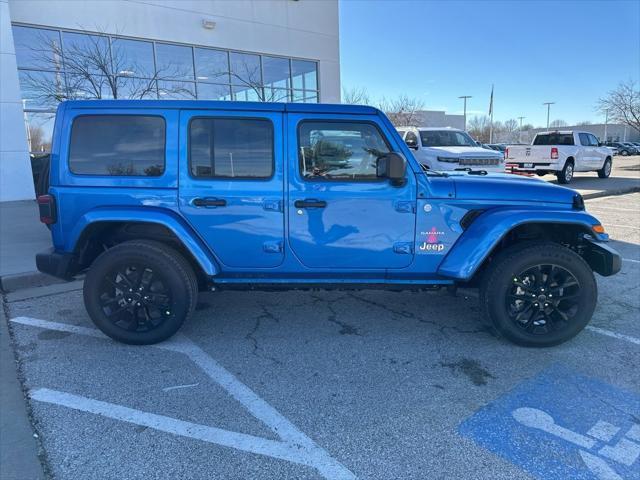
[209, 202]
[310, 203]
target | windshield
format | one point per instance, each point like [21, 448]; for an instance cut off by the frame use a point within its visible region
[554, 139]
[446, 138]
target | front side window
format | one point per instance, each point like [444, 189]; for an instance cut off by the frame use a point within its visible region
[340, 151]
[117, 145]
[585, 141]
[594, 141]
[446, 138]
[231, 148]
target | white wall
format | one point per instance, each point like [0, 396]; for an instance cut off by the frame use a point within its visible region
[305, 28]
[16, 182]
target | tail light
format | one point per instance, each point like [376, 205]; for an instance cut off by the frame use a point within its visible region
[47, 207]
[506, 153]
[554, 153]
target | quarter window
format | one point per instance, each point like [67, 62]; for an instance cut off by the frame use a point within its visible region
[231, 148]
[340, 151]
[585, 141]
[118, 145]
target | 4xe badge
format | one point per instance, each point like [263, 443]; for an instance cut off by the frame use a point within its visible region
[432, 243]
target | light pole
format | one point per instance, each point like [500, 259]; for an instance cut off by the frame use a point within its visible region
[520, 131]
[548, 104]
[464, 97]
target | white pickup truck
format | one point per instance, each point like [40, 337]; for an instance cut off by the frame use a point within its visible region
[562, 153]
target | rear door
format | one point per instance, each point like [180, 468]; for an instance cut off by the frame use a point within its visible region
[231, 184]
[340, 214]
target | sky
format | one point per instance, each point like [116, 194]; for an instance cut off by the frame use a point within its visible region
[568, 52]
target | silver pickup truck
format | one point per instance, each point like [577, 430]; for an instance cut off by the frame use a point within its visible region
[562, 153]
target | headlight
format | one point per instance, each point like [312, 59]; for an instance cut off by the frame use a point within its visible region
[449, 159]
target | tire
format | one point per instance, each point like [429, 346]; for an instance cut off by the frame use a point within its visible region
[140, 292]
[526, 321]
[624, 153]
[540, 173]
[605, 171]
[566, 174]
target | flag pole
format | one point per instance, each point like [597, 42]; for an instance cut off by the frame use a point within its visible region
[491, 116]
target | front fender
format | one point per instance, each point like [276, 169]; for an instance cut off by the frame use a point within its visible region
[477, 242]
[159, 216]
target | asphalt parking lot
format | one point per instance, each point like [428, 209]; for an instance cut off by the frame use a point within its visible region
[370, 384]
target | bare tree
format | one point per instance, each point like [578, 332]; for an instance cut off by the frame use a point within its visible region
[355, 96]
[558, 123]
[478, 127]
[402, 110]
[584, 122]
[96, 66]
[622, 104]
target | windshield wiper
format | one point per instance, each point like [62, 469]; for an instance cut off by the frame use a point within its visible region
[434, 173]
[470, 171]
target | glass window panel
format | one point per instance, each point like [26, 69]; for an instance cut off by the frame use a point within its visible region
[245, 69]
[91, 87]
[340, 151]
[276, 94]
[210, 91]
[175, 90]
[304, 74]
[39, 131]
[132, 58]
[300, 96]
[86, 53]
[247, 93]
[231, 148]
[136, 88]
[41, 89]
[117, 145]
[37, 48]
[276, 72]
[174, 61]
[212, 65]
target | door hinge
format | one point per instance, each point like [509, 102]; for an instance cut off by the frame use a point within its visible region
[405, 248]
[405, 207]
[272, 205]
[272, 247]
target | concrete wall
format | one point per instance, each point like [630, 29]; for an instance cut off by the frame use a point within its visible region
[433, 118]
[15, 170]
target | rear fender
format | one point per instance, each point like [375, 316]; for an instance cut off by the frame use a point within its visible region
[484, 234]
[163, 217]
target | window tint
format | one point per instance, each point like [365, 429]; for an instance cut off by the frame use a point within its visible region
[230, 148]
[585, 141]
[554, 139]
[117, 145]
[594, 141]
[446, 138]
[340, 151]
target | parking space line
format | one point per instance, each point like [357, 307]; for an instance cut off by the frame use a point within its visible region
[609, 333]
[308, 450]
[630, 260]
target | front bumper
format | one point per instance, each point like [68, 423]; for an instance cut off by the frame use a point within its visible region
[602, 258]
[57, 264]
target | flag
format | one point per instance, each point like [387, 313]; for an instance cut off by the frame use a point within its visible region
[491, 102]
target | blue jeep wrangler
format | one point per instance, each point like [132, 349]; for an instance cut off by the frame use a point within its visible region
[157, 200]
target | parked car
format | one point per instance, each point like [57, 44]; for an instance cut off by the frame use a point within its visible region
[632, 147]
[562, 153]
[445, 149]
[157, 200]
[500, 147]
[622, 148]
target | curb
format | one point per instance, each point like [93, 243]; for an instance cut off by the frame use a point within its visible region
[611, 193]
[20, 281]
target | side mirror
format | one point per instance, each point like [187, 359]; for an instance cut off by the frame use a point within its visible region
[412, 143]
[394, 167]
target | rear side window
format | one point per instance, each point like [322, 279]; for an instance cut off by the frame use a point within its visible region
[585, 141]
[117, 145]
[231, 148]
[554, 139]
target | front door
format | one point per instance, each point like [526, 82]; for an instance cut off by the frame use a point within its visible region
[231, 184]
[341, 215]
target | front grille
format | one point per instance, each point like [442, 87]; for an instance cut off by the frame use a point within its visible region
[479, 161]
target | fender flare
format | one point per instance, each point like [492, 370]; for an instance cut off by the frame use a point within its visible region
[482, 236]
[159, 216]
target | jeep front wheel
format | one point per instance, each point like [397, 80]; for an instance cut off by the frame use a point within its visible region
[140, 292]
[538, 295]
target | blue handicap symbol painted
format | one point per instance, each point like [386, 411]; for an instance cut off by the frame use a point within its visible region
[563, 425]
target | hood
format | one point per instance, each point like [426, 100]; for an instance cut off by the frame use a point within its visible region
[475, 152]
[501, 186]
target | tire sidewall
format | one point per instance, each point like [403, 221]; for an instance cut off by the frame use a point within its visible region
[168, 273]
[501, 282]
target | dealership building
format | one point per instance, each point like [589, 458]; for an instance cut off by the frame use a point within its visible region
[251, 50]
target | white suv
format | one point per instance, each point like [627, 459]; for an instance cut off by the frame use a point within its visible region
[450, 149]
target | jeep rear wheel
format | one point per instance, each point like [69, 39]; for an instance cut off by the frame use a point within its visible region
[140, 292]
[538, 295]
